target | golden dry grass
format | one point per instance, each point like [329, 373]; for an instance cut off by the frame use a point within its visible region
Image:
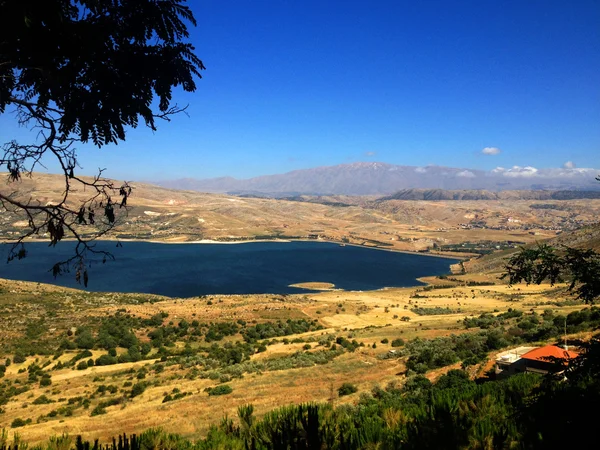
[368, 317]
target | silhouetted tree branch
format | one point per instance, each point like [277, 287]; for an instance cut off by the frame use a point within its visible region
[75, 71]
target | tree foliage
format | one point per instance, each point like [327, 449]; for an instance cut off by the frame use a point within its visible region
[76, 71]
[579, 267]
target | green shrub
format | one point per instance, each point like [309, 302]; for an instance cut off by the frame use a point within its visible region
[347, 389]
[145, 348]
[106, 360]
[222, 389]
[82, 365]
[18, 422]
[84, 339]
[398, 342]
[137, 389]
[98, 410]
[42, 400]
[437, 310]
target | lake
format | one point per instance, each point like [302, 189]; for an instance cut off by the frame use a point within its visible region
[187, 270]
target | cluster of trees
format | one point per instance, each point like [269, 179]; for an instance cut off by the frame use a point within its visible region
[538, 327]
[490, 320]
[276, 329]
[433, 311]
[524, 411]
[498, 332]
[471, 348]
[119, 331]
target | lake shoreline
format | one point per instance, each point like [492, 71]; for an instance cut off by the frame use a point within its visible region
[269, 266]
[250, 241]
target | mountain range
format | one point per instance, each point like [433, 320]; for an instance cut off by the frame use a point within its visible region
[376, 178]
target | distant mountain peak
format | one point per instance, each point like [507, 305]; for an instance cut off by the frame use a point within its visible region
[378, 178]
[366, 165]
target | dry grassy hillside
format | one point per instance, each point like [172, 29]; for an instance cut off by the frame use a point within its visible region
[99, 400]
[586, 237]
[169, 215]
[58, 383]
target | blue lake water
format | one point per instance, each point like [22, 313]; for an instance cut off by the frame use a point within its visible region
[186, 270]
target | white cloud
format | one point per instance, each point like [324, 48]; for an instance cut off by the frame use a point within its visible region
[518, 171]
[491, 151]
[421, 170]
[567, 171]
[465, 174]
[570, 172]
[370, 153]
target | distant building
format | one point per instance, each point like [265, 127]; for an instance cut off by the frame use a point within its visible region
[505, 361]
[542, 360]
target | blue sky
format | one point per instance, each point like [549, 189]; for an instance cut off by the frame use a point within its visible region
[299, 84]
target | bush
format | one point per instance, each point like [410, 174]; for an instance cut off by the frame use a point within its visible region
[18, 422]
[421, 311]
[82, 365]
[385, 341]
[417, 384]
[42, 400]
[145, 348]
[454, 379]
[398, 342]
[19, 358]
[46, 380]
[347, 389]
[85, 339]
[106, 360]
[98, 410]
[138, 389]
[222, 389]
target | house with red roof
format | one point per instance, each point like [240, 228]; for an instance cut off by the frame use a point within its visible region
[542, 360]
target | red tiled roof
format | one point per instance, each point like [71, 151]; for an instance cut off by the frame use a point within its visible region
[549, 351]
